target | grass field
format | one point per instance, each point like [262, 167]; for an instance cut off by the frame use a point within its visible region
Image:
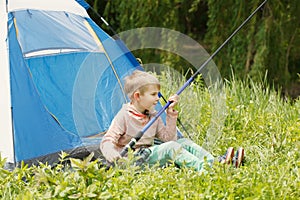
[251, 115]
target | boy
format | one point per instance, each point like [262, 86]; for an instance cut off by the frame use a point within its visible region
[142, 88]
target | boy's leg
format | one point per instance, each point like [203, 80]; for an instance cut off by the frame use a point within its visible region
[173, 151]
[196, 150]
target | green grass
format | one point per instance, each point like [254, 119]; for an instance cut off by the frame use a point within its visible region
[256, 117]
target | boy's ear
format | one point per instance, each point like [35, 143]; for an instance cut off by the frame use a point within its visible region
[136, 95]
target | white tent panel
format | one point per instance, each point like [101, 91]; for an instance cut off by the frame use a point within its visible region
[6, 137]
[70, 6]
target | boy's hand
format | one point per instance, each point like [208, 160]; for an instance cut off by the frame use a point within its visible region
[110, 153]
[174, 100]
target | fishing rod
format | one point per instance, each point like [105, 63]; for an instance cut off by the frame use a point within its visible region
[138, 136]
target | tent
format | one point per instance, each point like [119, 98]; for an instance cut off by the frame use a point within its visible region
[61, 80]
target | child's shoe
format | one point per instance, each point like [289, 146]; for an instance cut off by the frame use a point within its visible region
[238, 159]
[227, 157]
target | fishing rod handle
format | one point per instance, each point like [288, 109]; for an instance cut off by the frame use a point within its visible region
[123, 152]
[131, 143]
[128, 146]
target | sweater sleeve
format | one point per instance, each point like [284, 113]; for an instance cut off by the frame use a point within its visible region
[167, 132]
[116, 130]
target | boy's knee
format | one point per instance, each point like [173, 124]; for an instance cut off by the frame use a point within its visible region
[185, 141]
[172, 145]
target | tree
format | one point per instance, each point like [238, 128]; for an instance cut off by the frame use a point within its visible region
[270, 42]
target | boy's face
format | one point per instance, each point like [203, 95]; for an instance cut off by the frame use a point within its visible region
[149, 98]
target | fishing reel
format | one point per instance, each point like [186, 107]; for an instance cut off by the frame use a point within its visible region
[142, 156]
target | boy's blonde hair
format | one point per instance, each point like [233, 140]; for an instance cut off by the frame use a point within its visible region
[137, 80]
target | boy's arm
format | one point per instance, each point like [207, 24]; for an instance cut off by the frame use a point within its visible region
[107, 145]
[109, 152]
[167, 132]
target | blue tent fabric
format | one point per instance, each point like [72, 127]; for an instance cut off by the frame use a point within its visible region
[59, 99]
[84, 81]
[35, 131]
[52, 30]
[66, 78]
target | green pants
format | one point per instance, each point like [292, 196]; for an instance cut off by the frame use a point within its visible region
[182, 152]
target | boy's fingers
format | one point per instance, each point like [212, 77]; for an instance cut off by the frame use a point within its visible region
[174, 98]
[113, 156]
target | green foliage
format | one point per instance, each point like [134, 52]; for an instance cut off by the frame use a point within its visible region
[186, 16]
[267, 126]
[270, 41]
